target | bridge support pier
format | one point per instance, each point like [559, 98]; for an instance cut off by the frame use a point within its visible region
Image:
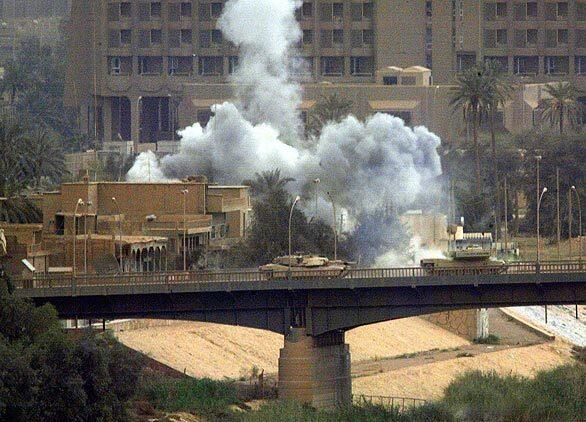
[315, 370]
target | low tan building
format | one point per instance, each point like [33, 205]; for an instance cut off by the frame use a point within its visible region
[146, 226]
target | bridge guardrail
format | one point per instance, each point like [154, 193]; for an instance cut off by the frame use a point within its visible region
[254, 275]
[400, 403]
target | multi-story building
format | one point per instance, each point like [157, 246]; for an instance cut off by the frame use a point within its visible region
[138, 62]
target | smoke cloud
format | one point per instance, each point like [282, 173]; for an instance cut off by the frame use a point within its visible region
[365, 165]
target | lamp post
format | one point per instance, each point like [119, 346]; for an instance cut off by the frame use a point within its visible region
[184, 192]
[538, 208]
[85, 235]
[316, 183]
[79, 202]
[573, 188]
[297, 199]
[334, 227]
[119, 232]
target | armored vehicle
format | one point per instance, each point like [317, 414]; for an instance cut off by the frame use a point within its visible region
[304, 266]
[472, 259]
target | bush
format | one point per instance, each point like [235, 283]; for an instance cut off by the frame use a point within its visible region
[204, 397]
[490, 339]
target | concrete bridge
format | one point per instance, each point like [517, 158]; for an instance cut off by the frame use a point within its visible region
[312, 311]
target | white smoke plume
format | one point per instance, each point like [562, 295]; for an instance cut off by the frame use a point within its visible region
[365, 165]
[265, 32]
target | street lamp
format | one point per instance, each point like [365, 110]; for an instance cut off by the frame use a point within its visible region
[85, 235]
[297, 199]
[334, 227]
[316, 183]
[184, 192]
[573, 188]
[79, 202]
[119, 232]
[538, 208]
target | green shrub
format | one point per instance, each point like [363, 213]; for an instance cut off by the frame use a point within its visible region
[204, 397]
[490, 339]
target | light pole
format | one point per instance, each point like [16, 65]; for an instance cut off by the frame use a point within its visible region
[573, 188]
[316, 183]
[334, 227]
[184, 192]
[538, 208]
[538, 192]
[79, 202]
[119, 232]
[85, 236]
[297, 199]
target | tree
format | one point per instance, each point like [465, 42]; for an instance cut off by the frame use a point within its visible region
[469, 95]
[47, 157]
[562, 103]
[14, 81]
[330, 108]
[267, 182]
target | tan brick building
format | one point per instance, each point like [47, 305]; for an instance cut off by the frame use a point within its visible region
[144, 60]
[145, 224]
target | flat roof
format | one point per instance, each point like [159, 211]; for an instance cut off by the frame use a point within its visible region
[228, 187]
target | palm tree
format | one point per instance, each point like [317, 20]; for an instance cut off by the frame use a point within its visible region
[496, 92]
[14, 80]
[331, 108]
[46, 156]
[561, 103]
[468, 95]
[15, 162]
[267, 182]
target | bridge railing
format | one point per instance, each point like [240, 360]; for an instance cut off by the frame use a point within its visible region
[400, 403]
[254, 275]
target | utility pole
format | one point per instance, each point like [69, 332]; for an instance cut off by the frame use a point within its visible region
[570, 221]
[557, 182]
[506, 215]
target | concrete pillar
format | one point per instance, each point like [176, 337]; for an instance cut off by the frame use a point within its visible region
[315, 370]
[107, 118]
[135, 122]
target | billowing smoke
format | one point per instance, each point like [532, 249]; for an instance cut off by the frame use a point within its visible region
[365, 165]
[265, 32]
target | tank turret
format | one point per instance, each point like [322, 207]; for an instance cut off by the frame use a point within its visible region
[304, 266]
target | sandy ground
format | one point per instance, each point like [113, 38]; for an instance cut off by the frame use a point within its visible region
[219, 351]
[428, 381]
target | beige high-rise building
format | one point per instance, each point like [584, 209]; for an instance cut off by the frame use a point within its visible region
[138, 68]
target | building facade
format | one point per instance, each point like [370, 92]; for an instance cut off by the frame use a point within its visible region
[143, 226]
[138, 62]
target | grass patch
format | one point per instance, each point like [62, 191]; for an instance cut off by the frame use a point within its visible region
[490, 339]
[204, 397]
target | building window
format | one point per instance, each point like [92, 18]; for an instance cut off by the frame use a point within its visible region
[525, 10]
[155, 10]
[580, 65]
[337, 37]
[526, 37]
[125, 37]
[186, 36]
[428, 9]
[390, 80]
[150, 65]
[211, 66]
[156, 36]
[465, 61]
[204, 116]
[526, 65]
[367, 37]
[210, 38]
[361, 11]
[556, 37]
[119, 10]
[180, 65]
[501, 61]
[408, 80]
[115, 66]
[302, 66]
[428, 38]
[495, 10]
[216, 37]
[429, 61]
[332, 66]
[307, 37]
[332, 11]
[556, 11]
[307, 10]
[361, 66]
[186, 10]
[209, 11]
[556, 65]
[125, 9]
[232, 64]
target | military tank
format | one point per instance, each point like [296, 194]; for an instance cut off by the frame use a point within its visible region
[472, 259]
[304, 266]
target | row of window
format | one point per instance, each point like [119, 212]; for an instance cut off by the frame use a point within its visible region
[148, 11]
[529, 65]
[214, 65]
[213, 37]
[494, 38]
[553, 11]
